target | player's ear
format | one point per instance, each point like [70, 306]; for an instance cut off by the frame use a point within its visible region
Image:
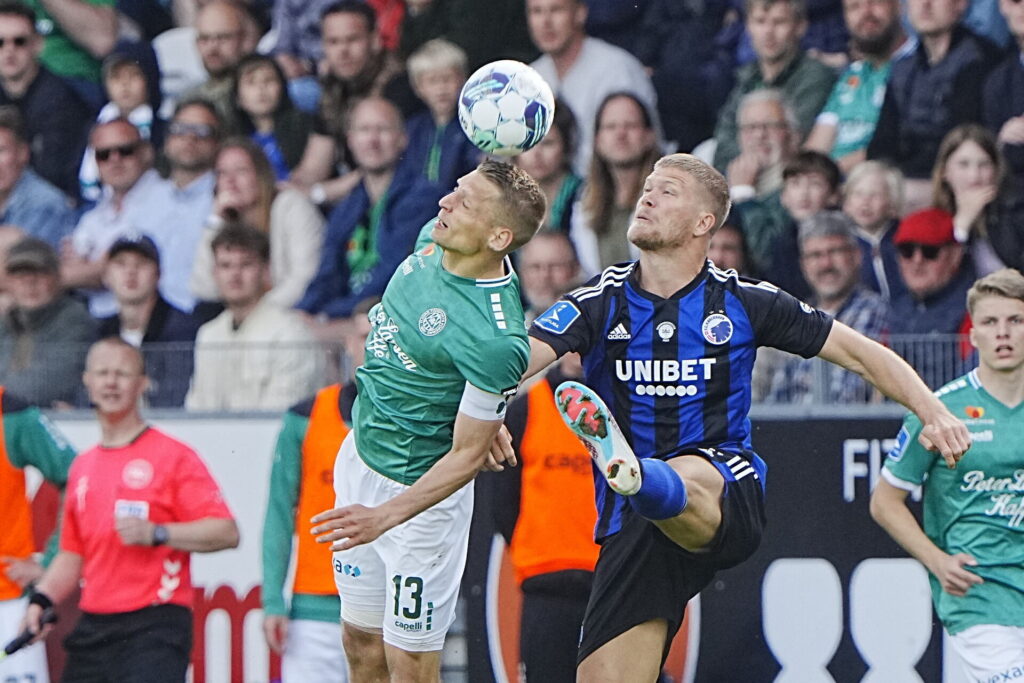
[501, 238]
[705, 224]
[971, 337]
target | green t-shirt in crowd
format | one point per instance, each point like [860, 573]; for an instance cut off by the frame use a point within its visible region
[61, 54]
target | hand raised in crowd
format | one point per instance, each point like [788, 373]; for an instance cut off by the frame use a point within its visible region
[1012, 132]
[22, 571]
[953, 575]
[744, 169]
[970, 203]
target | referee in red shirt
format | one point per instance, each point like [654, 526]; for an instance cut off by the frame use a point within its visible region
[135, 506]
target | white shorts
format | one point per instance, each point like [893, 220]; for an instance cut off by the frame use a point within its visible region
[991, 652]
[313, 652]
[406, 582]
[28, 663]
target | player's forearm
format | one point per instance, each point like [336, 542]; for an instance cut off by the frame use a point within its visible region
[61, 577]
[880, 366]
[203, 535]
[449, 474]
[897, 380]
[889, 510]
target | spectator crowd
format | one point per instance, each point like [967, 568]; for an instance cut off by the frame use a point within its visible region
[224, 184]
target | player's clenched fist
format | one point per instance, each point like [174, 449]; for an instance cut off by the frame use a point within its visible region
[134, 531]
[946, 435]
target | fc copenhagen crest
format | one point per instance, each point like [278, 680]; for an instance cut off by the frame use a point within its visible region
[717, 328]
[432, 321]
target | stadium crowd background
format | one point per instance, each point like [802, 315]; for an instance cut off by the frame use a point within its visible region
[330, 128]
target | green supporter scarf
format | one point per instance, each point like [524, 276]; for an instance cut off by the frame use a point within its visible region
[362, 254]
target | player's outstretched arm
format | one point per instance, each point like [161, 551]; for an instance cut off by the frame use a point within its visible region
[892, 375]
[889, 509]
[354, 525]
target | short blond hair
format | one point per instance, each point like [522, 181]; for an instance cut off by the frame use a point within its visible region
[890, 174]
[434, 55]
[715, 187]
[1005, 282]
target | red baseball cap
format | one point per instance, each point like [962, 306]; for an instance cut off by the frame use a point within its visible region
[930, 226]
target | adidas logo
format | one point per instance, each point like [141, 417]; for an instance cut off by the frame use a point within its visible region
[620, 332]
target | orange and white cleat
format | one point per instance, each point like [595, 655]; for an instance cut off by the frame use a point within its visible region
[590, 420]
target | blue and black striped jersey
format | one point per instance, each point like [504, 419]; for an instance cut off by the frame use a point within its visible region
[676, 372]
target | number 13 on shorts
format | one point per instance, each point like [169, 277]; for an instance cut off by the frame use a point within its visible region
[408, 601]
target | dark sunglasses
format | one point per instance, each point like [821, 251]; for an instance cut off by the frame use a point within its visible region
[123, 151]
[930, 252]
[16, 41]
[199, 130]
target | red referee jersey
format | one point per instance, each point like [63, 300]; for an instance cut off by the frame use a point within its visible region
[156, 478]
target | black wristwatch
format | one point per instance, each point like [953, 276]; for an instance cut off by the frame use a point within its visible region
[160, 535]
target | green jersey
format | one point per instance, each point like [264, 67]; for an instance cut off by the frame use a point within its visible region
[976, 508]
[854, 105]
[431, 334]
[61, 54]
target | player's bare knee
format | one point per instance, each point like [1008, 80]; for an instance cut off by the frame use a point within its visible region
[364, 648]
[413, 667]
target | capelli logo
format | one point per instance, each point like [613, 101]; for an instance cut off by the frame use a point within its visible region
[975, 412]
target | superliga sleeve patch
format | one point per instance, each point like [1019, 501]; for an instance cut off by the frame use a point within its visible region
[558, 318]
[896, 454]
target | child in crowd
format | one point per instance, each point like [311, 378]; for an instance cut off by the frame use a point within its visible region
[437, 144]
[810, 183]
[129, 90]
[264, 112]
[873, 198]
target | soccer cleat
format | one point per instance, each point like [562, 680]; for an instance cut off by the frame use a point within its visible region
[590, 420]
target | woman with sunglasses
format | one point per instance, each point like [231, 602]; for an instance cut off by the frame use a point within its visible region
[969, 182]
[246, 191]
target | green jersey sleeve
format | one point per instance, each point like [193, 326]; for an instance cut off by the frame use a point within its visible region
[423, 239]
[279, 523]
[31, 439]
[909, 461]
[498, 367]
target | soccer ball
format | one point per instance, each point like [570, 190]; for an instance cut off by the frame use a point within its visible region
[505, 107]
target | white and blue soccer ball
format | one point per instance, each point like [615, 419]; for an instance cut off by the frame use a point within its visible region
[506, 108]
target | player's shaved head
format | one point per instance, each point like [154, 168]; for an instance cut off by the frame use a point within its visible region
[522, 203]
[116, 343]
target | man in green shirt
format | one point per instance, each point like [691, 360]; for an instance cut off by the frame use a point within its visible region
[775, 28]
[446, 351]
[972, 542]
